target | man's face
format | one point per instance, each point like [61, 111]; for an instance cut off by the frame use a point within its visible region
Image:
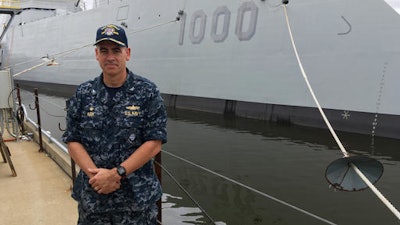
[112, 58]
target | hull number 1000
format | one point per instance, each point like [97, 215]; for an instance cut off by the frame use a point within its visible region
[221, 17]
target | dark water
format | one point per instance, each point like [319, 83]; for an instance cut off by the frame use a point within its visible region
[278, 171]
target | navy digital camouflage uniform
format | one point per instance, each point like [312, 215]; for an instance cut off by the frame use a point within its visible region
[111, 130]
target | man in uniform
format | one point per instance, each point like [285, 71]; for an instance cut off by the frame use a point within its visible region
[116, 124]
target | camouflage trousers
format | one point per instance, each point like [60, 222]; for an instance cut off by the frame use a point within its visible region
[147, 217]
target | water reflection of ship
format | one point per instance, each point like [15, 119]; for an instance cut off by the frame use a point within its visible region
[362, 144]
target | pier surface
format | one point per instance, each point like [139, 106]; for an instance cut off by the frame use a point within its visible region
[39, 194]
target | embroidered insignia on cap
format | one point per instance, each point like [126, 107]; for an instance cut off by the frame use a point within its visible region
[113, 33]
[109, 30]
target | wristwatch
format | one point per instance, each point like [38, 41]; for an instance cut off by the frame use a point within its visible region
[121, 171]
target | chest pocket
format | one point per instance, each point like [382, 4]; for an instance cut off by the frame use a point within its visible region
[130, 123]
[92, 126]
[130, 131]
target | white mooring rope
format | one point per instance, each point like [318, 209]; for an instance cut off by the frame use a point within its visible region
[339, 143]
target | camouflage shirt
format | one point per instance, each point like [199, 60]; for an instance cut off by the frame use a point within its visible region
[111, 129]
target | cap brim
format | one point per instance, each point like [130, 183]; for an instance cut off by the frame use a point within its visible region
[111, 39]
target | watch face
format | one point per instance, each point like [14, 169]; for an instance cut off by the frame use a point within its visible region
[121, 171]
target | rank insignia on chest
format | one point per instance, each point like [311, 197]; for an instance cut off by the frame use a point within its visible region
[132, 110]
[90, 113]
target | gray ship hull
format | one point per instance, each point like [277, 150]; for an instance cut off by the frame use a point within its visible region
[235, 57]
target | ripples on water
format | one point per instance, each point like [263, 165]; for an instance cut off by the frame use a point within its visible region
[282, 161]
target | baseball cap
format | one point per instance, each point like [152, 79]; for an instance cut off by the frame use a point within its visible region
[112, 33]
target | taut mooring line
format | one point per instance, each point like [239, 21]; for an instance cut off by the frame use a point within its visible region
[339, 143]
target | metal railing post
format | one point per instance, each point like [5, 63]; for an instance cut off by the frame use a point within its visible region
[38, 120]
[20, 112]
[158, 170]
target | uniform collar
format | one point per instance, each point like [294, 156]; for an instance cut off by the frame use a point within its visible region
[100, 90]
